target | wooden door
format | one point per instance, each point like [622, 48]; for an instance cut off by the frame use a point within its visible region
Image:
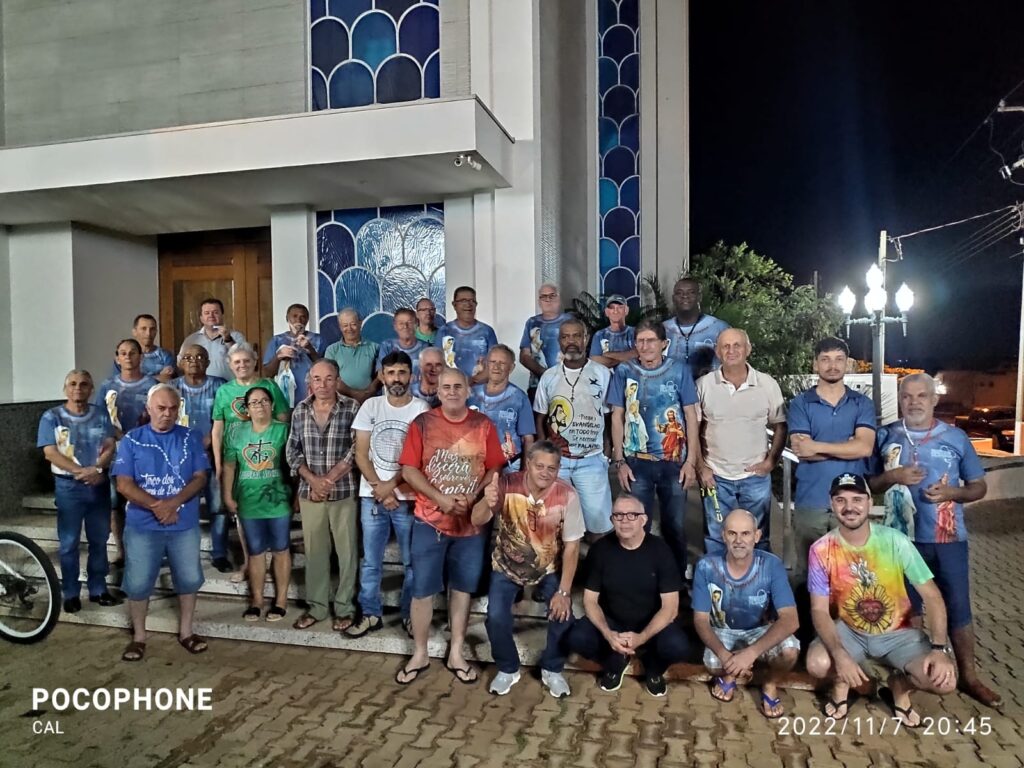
[230, 265]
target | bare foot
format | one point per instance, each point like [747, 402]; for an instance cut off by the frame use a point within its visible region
[981, 693]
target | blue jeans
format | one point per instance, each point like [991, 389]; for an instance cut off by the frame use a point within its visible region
[951, 565]
[662, 478]
[78, 503]
[377, 523]
[267, 534]
[144, 552]
[218, 520]
[499, 624]
[753, 494]
[589, 476]
[657, 654]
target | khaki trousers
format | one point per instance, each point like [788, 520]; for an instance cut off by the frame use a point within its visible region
[325, 523]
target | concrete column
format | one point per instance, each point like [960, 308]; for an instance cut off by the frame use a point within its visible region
[293, 261]
[455, 35]
[6, 371]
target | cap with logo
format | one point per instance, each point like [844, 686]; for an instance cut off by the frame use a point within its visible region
[849, 482]
[615, 298]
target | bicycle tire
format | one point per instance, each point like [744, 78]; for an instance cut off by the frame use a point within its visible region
[50, 574]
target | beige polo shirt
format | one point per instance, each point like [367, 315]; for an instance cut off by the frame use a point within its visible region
[736, 420]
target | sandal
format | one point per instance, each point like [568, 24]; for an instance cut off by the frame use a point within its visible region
[465, 675]
[725, 688]
[836, 706]
[252, 613]
[276, 613]
[341, 623]
[414, 672]
[768, 704]
[305, 621]
[193, 644]
[134, 651]
[904, 715]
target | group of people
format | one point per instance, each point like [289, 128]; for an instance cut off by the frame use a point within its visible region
[425, 438]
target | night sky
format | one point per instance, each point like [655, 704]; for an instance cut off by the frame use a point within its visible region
[815, 125]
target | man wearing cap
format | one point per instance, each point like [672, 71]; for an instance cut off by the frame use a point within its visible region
[857, 576]
[928, 470]
[692, 334]
[614, 343]
[538, 348]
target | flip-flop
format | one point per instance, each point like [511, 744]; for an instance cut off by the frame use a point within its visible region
[836, 706]
[772, 704]
[414, 672]
[462, 674]
[193, 644]
[276, 613]
[904, 715]
[339, 625]
[305, 621]
[134, 651]
[726, 689]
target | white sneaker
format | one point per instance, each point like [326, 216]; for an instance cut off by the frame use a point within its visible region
[556, 683]
[503, 682]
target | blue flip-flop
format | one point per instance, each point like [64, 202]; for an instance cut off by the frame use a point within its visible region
[772, 703]
[725, 687]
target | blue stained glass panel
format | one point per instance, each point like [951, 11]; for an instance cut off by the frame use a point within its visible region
[618, 104]
[608, 255]
[325, 293]
[629, 13]
[629, 255]
[629, 133]
[329, 330]
[399, 79]
[619, 225]
[351, 86]
[403, 287]
[320, 98]
[620, 280]
[329, 45]
[432, 78]
[402, 214]
[395, 7]
[349, 10]
[607, 135]
[378, 327]
[335, 250]
[322, 217]
[419, 33]
[423, 246]
[618, 42]
[317, 8]
[374, 38]
[629, 193]
[609, 194]
[379, 246]
[607, 74]
[607, 14]
[355, 218]
[619, 165]
[629, 71]
[437, 293]
[359, 289]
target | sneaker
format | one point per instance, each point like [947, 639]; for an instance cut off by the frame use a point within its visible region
[556, 683]
[611, 680]
[222, 564]
[503, 682]
[364, 625]
[656, 685]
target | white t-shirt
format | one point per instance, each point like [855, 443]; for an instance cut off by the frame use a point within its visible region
[387, 426]
[573, 402]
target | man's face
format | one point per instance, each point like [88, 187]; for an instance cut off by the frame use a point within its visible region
[622, 510]
[740, 535]
[144, 332]
[195, 361]
[616, 313]
[425, 312]
[430, 368]
[242, 365]
[323, 382]
[396, 379]
[851, 508]
[452, 390]
[649, 347]
[831, 366]
[572, 340]
[917, 404]
[163, 410]
[542, 469]
[351, 328]
[548, 300]
[78, 388]
[297, 319]
[732, 347]
[465, 306]
[405, 327]
[499, 366]
[686, 296]
[210, 315]
[128, 357]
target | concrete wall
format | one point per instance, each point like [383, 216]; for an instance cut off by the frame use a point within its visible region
[1, 74]
[115, 278]
[75, 68]
[6, 374]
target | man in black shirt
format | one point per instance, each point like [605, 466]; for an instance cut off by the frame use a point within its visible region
[631, 602]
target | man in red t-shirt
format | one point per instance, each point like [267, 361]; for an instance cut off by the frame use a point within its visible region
[449, 456]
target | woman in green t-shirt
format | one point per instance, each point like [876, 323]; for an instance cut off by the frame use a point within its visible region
[255, 490]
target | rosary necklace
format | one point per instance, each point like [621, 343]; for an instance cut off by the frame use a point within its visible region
[572, 384]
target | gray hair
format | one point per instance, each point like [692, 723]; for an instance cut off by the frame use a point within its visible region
[431, 351]
[543, 446]
[162, 387]
[242, 348]
[349, 311]
[78, 372]
[919, 378]
[630, 497]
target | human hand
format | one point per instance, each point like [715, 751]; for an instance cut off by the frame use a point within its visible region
[631, 640]
[802, 445]
[626, 476]
[849, 671]
[688, 475]
[740, 662]
[763, 467]
[939, 668]
[492, 493]
[285, 352]
[231, 506]
[707, 477]
[617, 646]
[559, 608]
[912, 475]
[448, 504]
[938, 492]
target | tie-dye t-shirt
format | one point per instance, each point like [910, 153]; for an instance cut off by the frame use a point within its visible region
[947, 456]
[865, 585]
[653, 400]
[540, 336]
[531, 531]
[453, 456]
[465, 348]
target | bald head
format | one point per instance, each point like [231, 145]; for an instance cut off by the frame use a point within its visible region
[733, 348]
[740, 520]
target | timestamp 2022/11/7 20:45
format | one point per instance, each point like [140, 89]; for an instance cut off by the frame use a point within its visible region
[880, 726]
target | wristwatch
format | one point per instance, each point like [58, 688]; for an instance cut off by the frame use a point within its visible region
[562, 592]
[99, 470]
[939, 647]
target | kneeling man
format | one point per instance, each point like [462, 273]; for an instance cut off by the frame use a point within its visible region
[857, 576]
[744, 612]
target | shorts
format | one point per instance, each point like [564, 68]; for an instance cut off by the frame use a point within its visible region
[144, 552]
[267, 533]
[434, 553]
[738, 639]
[894, 649]
[950, 564]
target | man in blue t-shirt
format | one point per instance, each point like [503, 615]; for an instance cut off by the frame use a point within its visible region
[832, 431]
[614, 343]
[928, 470]
[744, 612]
[156, 361]
[465, 340]
[538, 348]
[506, 405]
[405, 341]
[692, 335]
[654, 432]
[77, 439]
[289, 355]
[161, 468]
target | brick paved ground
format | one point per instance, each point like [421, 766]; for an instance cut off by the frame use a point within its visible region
[288, 706]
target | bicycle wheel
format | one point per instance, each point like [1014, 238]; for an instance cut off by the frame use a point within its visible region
[29, 590]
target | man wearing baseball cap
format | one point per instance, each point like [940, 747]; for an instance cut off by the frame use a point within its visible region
[857, 576]
[615, 343]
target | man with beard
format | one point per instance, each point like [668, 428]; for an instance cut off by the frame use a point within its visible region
[425, 385]
[932, 468]
[857, 577]
[744, 612]
[506, 405]
[538, 543]
[570, 409]
[692, 335]
[832, 430]
[380, 428]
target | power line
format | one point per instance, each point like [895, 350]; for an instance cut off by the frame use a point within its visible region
[950, 224]
[981, 125]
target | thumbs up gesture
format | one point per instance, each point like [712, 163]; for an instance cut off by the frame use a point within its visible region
[491, 492]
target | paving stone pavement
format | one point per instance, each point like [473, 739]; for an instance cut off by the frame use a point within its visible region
[316, 708]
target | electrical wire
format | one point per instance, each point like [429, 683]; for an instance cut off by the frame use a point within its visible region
[980, 125]
[951, 224]
[949, 267]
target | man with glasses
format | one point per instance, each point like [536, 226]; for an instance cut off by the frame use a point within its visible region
[405, 341]
[426, 328]
[506, 405]
[631, 601]
[465, 340]
[538, 348]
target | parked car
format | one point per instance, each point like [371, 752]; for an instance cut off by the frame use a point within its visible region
[993, 421]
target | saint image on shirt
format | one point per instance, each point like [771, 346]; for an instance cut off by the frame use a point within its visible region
[111, 401]
[537, 347]
[717, 614]
[448, 347]
[868, 605]
[674, 435]
[636, 430]
[64, 446]
[898, 500]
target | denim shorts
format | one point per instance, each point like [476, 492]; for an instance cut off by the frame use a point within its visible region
[267, 533]
[144, 552]
[435, 553]
[950, 563]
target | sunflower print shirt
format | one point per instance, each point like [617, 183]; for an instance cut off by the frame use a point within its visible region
[865, 585]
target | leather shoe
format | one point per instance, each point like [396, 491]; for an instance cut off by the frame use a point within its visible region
[72, 605]
[105, 599]
[222, 564]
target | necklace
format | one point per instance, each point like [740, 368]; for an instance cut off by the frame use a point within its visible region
[174, 470]
[686, 336]
[572, 384]
[914, 446]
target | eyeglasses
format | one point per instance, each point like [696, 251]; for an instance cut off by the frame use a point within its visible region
[466, 302]
[264, 402]
[548, 296]
[620, 516]
[193, 358]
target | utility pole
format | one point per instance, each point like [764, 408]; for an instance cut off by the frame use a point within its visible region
[878, 339]
[1019, 415]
